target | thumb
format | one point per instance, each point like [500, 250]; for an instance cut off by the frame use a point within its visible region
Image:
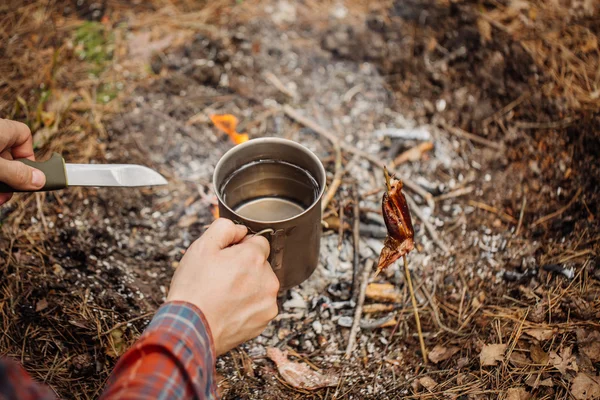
[223, 233]
[20, 176]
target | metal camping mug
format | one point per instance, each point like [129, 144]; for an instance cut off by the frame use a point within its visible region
[295, 241]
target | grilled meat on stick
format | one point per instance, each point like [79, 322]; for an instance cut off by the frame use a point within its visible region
[400, 237]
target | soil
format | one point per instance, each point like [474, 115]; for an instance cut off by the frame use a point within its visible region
[81, 266]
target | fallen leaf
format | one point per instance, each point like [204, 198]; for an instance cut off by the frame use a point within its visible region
[491, 354]
[540, 333]
[383, 292]
[377, 307]
[538, 355]
[441, 353]
[519, 359]
[485, 30]
[299, 375]
[428, 383]
[228, 124]
[41, 305]
[589, 344]
[534, 381]
[565, 361]
[585, 387]
[116, 345]
[58, 270]
[517, 394]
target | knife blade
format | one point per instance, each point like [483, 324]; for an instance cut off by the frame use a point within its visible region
[60, 175]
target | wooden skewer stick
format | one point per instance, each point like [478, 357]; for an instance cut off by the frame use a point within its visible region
[359, 307]
[415, 309]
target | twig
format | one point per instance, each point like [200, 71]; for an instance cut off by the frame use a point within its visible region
[359, 307]
[273, 80]
[413, 299]
[455, 193]
[337, 176]
[412, 154]
[557, 212]
[474, 138]
[120, 324]
[521, 216]
[430, 228]
[504, 110]
[563, 123]
[293, 114]
[355, 241]
[493, 210]
[341, 228]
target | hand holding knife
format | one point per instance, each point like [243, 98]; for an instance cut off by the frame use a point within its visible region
[60, 175]
[16, 151]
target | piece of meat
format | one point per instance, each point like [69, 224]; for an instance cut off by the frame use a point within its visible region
[400, 238]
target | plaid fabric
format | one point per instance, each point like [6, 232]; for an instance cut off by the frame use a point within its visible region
[15, 384]
[173, 359]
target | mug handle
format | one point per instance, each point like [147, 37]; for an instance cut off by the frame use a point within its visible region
[276, 242]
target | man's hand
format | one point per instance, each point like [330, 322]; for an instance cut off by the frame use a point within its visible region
[227, 276]
[16, 142]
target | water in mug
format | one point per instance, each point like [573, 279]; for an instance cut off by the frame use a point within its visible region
[269, 190]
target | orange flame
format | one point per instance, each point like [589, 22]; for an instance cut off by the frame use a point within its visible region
[227, 123]
[215, 211]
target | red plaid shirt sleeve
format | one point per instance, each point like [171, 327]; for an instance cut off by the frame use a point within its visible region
[16, 384]
[173, 359]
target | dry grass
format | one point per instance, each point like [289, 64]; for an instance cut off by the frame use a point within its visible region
[561, 36]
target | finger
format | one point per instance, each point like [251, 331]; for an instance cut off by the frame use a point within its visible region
[20, 176]
[16, 136]
[6, 155]
[4, 197]
[261, 242]
[272, 282]
[223, 233]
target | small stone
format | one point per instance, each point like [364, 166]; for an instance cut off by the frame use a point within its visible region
[257, 351]
[346, 322]
[317, 327]
[297, 301]
[58, 270]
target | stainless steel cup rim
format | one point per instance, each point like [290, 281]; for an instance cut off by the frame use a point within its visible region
[231, 152]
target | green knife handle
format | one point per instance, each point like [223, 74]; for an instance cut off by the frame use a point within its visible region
[54, 169]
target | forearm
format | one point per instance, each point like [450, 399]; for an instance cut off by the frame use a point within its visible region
[174, 358]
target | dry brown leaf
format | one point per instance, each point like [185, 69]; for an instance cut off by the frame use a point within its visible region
[585, 387]
[441, 353]
[485, 30]
[299, 375]
[565, 361]
[428, 383]
[491, 354]
[41, 305]
[538, 355]
[519, 359]
[517, 394]
[377, 307]
[383, 292]
[540, 334]
[589, 344]
[535, 382]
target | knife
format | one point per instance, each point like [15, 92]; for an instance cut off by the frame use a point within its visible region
[60, 175]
